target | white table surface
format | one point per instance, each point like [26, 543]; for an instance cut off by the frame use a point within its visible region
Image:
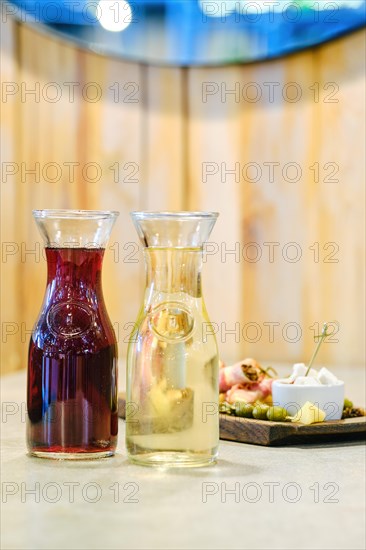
[170, 511]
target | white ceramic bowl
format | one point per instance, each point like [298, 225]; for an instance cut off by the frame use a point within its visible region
[329, 399]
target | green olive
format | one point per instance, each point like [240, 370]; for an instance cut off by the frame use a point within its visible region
[225, 408]
[277, 414]
[347, 404]
[260, 412]
[244, 409]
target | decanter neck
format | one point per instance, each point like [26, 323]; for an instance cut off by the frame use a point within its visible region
[173, 270]
[76, 268]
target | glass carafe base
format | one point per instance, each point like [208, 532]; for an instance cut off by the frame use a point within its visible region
[71, 456]
[174, 459]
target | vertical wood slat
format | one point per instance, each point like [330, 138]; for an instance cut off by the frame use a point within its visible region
[215, 136]
[29, 145]
[167, 135]
[10, 273]
[341, 196]
[278, 140]
[46, 144]
[163, 186]
[113, 141]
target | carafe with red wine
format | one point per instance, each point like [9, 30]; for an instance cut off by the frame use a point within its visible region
[72, 408]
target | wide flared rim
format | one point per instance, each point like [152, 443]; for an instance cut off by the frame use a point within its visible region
[75, 214]
[171, 215]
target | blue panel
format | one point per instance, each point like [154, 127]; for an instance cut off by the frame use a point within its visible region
[196, 32]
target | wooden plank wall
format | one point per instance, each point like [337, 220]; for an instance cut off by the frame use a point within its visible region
[281, 159]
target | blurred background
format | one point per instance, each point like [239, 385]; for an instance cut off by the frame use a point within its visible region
[252, 109]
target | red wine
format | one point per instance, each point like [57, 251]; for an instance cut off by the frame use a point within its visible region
[72, 367]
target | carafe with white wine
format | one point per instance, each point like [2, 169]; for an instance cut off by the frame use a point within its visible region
[172, 367]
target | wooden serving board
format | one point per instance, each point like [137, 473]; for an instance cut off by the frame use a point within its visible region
[264, 432]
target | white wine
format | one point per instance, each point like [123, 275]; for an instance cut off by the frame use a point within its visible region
[172, 385]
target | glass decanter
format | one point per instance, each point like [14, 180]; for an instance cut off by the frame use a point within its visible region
[172, 367]
[72, 366]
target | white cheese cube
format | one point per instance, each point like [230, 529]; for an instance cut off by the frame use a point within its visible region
[299, 369]
[326, 377]
[314, 373]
